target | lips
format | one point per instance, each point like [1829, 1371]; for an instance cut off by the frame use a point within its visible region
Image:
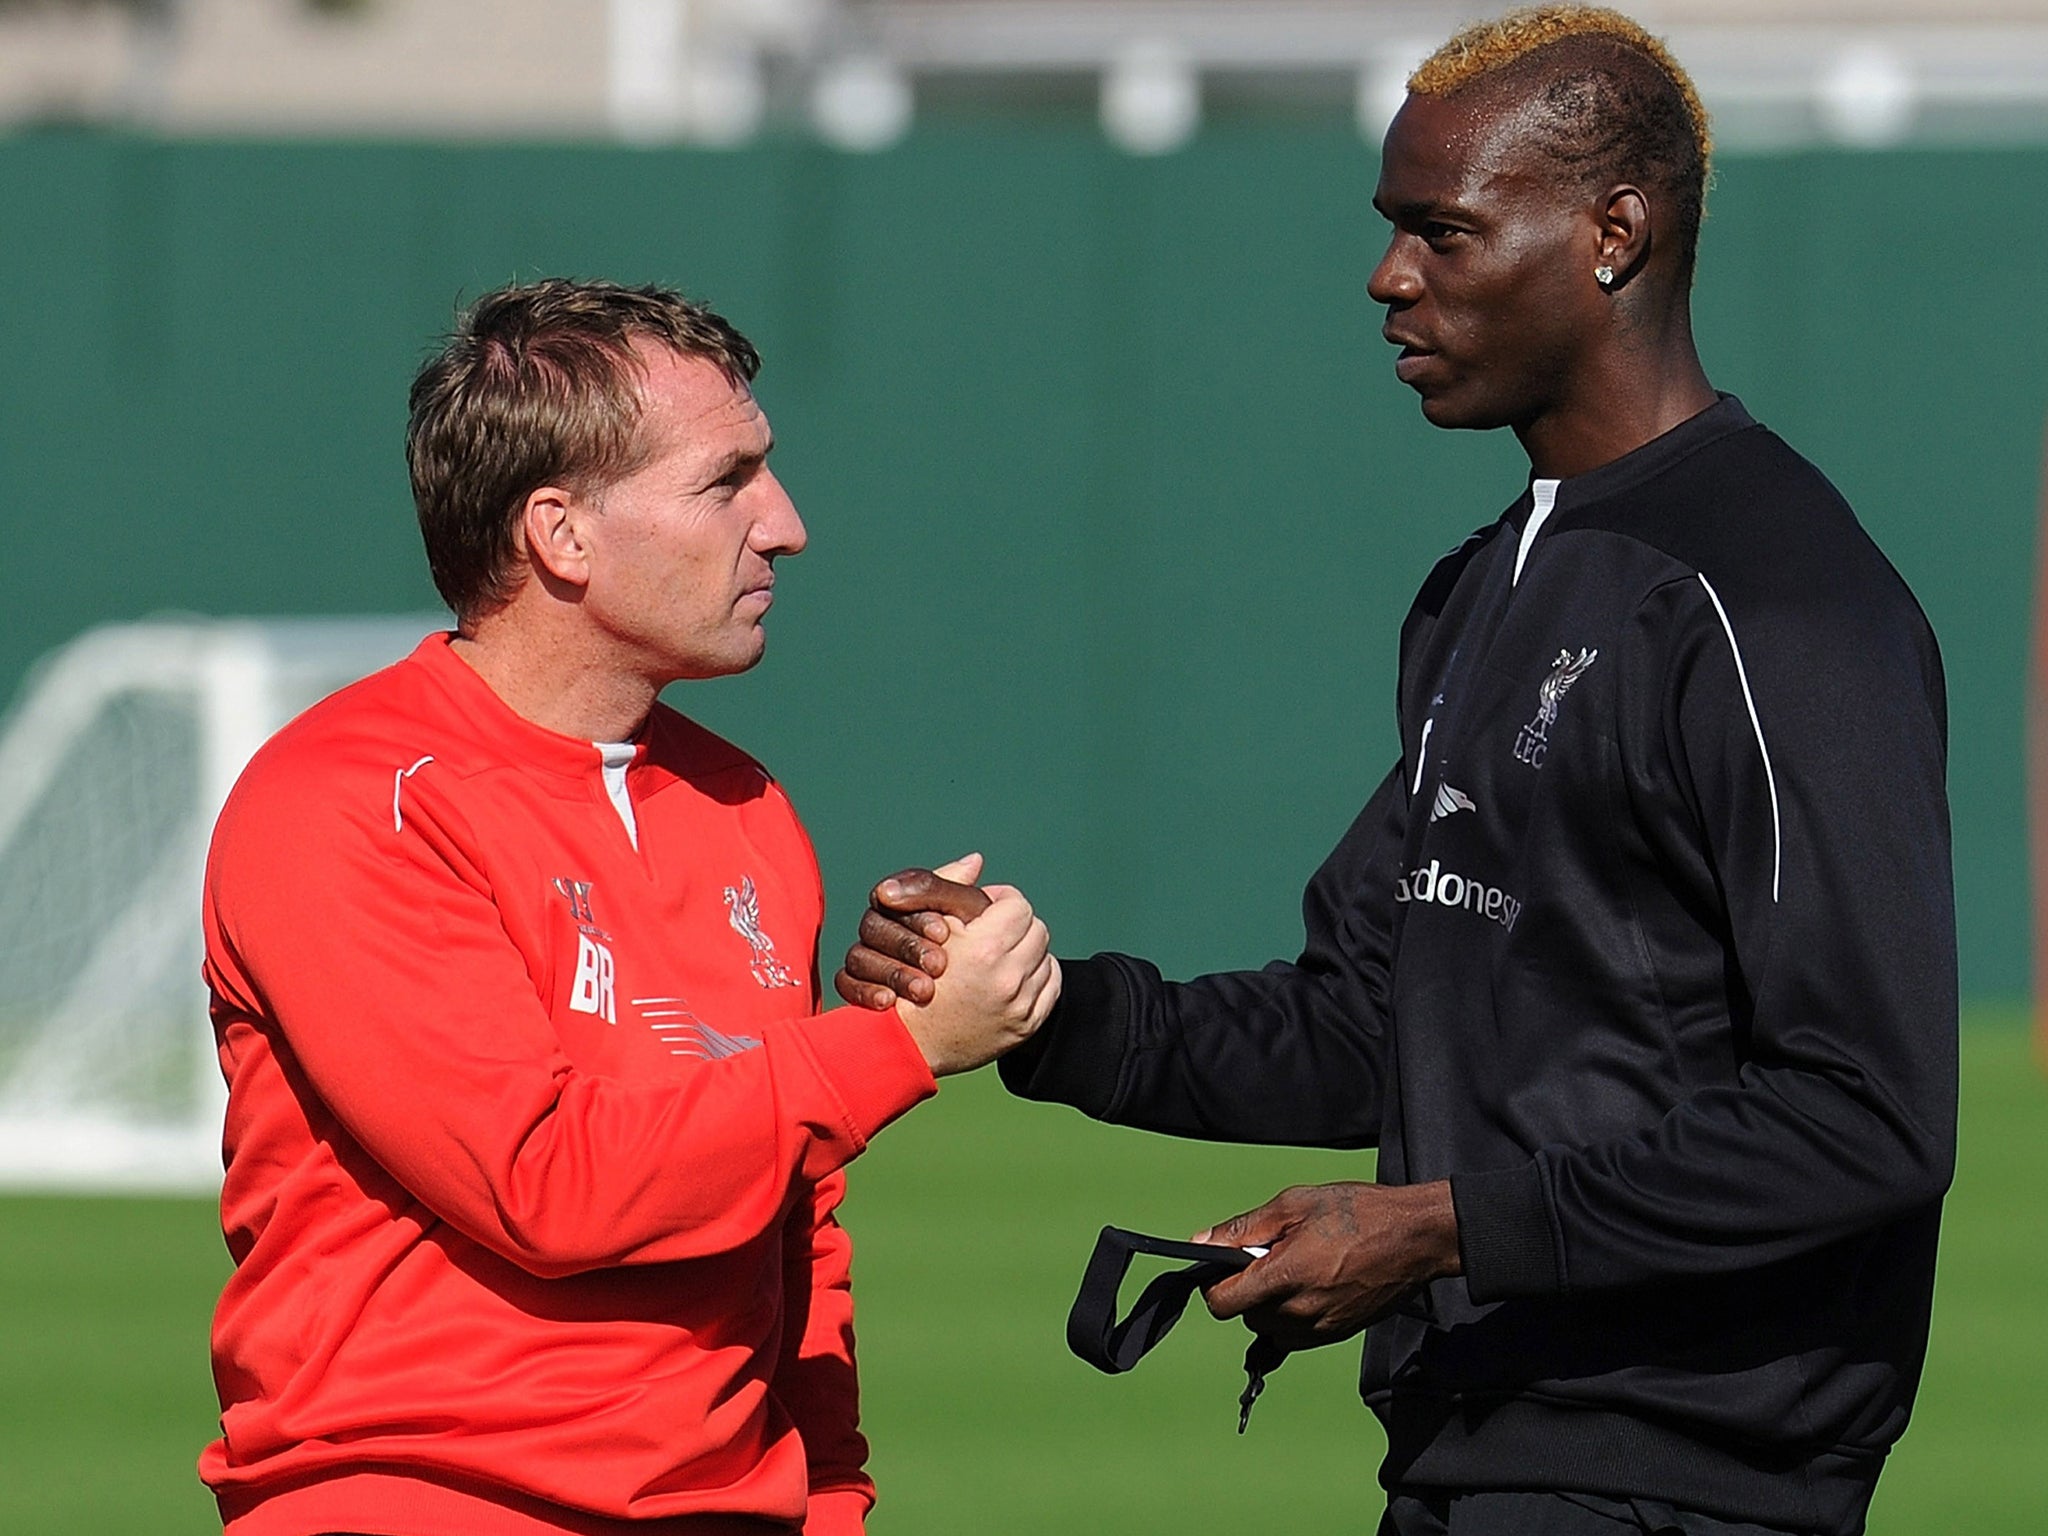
[1414, 358]
[1412, 364]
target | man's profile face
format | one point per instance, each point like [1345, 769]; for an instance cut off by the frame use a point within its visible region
[1488, 275]
[682, 550]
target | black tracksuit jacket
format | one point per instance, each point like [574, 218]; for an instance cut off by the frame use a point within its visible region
[1648, 945]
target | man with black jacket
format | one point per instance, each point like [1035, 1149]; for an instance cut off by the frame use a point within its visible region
[1639, 967]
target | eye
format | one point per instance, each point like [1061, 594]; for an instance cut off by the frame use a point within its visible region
[1440, 236]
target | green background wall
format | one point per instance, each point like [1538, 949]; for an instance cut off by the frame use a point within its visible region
[1115, 504]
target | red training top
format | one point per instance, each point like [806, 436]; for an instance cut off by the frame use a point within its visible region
[533, 1136]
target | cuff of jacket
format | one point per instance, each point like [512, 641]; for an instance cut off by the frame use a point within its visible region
[837, 1512]
[871, 1070]
[1078, 1053]
[1504, 1233]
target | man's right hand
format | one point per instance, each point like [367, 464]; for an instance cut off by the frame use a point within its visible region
[1000, 982]
[903, 933]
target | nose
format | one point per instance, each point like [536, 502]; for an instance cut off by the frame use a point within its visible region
[1395, 281]
[777, 528]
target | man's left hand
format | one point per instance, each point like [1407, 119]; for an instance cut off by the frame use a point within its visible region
[1341, 1256]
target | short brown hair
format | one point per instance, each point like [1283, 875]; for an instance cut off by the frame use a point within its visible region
[1615, 105]
[537, 385]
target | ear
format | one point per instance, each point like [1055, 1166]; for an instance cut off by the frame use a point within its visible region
[1623, 217]
[551, 527]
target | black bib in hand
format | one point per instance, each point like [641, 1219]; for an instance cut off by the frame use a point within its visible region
[1095, 1334]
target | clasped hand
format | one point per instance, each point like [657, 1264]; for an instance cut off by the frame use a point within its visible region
[984, 959]
[1341, 1255]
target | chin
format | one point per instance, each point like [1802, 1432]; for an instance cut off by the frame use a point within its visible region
[1442, 413]
[1455, 415]
[725, 661]
[747, 654]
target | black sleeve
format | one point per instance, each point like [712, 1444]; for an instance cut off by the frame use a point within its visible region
[1290, 1055]
[1805, 741]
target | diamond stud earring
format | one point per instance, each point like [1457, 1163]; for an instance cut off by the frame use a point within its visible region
[1604, 276]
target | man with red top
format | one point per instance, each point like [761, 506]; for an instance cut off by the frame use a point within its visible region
[535, 1129]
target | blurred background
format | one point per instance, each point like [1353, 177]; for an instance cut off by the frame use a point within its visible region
[1115, 510]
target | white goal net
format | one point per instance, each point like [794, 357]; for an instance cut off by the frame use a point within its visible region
[113, 765]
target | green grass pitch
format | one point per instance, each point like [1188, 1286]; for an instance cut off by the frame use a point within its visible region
[973, 1218]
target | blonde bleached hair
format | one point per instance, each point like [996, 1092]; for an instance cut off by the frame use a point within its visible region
[1487, 46]
[1612, 101]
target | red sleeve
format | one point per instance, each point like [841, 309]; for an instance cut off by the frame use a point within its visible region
[382, 961]
[816, 1379]
[840, 1512]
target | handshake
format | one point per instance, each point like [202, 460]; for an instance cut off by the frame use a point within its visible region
[971, 975]
[969, 968]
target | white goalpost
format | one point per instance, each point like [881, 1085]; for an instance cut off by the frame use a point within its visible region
[113, 765]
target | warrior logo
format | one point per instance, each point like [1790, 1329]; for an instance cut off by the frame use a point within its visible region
[1449, 802]
[577, 894]
[744, 903]
[1532, 742]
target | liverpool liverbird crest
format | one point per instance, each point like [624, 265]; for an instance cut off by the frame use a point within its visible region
[1532, 742]
[743, 902]
[1564, 671]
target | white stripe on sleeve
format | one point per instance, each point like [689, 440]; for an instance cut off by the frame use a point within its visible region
[1770, 779]
[398, 788]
